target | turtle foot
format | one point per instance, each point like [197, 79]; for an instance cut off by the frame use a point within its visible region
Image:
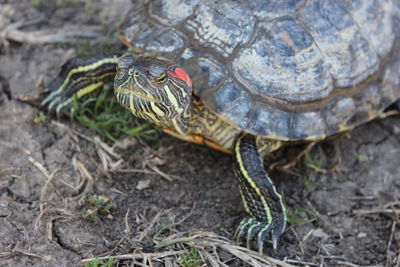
[58, 102]
[250, 229]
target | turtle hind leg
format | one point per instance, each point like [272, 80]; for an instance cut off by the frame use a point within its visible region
[267, 218]
[78, 77]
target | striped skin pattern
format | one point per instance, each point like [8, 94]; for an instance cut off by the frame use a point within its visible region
[154, 97]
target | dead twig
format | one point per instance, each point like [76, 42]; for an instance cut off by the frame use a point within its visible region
[136, 171]
[156, 160]
[12, 33]
[387, 209]
[388, 254]
[110, 160]
[389, 113]
[150, 226]
[137, 256]
[299, 156]
[29, 254]
[127, 227]
[302, 262]
[372, 211]
[345, 263]
[87, 180]
[167, 176]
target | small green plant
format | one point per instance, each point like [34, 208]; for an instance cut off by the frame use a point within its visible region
[155, 240]
[107, 118]
[307, 183]
[190, 258]
[35, 3]
[95, 205]
[84, 48]
[165, 228]
[314, 160]
[108, 43]
[363, 160]
[292, 217]
[220, 228]
[98, 263]
[39, 118]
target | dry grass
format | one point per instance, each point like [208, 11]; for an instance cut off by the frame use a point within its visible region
[207, 245]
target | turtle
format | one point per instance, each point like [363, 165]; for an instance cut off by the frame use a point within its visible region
[247, 78]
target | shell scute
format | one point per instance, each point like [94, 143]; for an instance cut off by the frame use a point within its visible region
[284, 63]
[234, 103]
[340, 40]
[272, 122]
[215, 27]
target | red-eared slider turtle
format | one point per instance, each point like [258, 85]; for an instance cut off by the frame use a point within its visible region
[247, 77]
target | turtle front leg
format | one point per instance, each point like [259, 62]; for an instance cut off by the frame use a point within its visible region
[78, 77]
[261, 201]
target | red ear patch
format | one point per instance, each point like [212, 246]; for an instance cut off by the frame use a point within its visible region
[181, 75]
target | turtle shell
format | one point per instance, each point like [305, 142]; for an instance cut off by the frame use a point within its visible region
[288, 70]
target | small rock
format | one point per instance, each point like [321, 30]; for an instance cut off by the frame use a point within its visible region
[361, 235]
[4, 208]
[320, 233]
[143, 184]
[126, 142]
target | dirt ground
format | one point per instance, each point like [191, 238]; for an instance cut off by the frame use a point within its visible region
[343, 197]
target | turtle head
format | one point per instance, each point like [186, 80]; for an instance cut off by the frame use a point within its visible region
[155, 90]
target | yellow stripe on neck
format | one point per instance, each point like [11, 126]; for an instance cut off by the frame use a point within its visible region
[88, 89]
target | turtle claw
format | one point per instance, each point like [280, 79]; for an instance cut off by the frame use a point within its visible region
[250, 229]
[56, 102]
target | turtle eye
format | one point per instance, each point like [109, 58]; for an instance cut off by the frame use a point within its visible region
[161, 78]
